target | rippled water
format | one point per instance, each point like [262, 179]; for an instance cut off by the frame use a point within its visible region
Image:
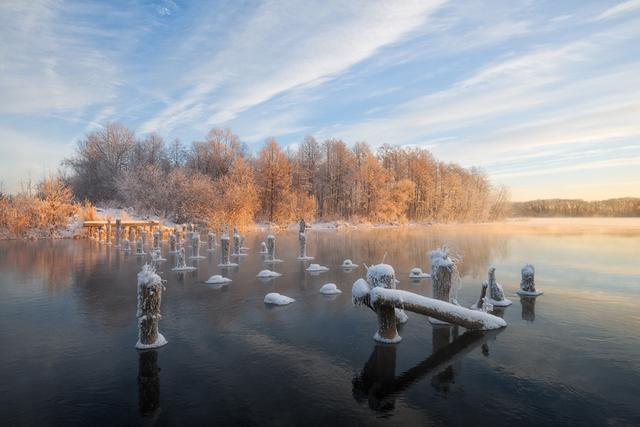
[68, 329]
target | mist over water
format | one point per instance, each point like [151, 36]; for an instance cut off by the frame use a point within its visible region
[68, 330]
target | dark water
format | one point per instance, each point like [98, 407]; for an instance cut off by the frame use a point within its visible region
[68, 329]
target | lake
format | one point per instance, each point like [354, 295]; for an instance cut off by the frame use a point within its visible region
[571, 356]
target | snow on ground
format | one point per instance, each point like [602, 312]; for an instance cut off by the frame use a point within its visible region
[277, 299]
[330, 289]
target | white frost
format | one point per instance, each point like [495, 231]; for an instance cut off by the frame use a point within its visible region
[159, 342]
[277, 299]
[330, 289]
[393, 340]
[359, 290]
[268, 273]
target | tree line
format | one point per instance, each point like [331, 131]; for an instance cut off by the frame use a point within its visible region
[622, 207]
[217, 180]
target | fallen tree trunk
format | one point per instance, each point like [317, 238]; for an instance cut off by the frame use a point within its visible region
[441, 310]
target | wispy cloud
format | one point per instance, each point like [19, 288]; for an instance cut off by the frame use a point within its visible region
[622, 8]
[286, 45]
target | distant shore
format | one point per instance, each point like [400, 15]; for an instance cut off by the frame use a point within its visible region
[559, 225]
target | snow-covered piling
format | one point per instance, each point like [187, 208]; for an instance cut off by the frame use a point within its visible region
[140, 247]
[271, 246]
[195, 247]
[496, 293]
[482, 300]
[527, 282]
[150, 289]
[442, 271]
[302, 242]
[236, 241]
[211, 241]
[108, 232]
[224, 249]
[132, 234]
[225, 260]
[127, 245]
[172, 243]
[263, 248]
[156, 239]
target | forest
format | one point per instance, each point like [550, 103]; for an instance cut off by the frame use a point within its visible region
[218, 180]
[622, 207]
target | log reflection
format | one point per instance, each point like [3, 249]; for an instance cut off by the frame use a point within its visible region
[379, 385]
[148, 383]
[528, 308]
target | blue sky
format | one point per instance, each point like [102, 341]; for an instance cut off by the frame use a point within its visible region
[544, 95]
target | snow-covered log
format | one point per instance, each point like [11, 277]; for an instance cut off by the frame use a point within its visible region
[150, 289]
[441, 310]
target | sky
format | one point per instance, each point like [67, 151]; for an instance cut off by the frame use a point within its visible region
[543, 95]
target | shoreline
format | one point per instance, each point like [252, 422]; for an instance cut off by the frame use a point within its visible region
[546, 225]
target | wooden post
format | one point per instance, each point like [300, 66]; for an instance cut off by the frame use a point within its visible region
[387, 324]
[302, 241]
[108, 232]
[118, 222]
[172, 243]
[442, 268]
[271, 246]
[483, 294]
[224, 249]
[156, 239]
[236, 241]
[211, 241]
[149, 298]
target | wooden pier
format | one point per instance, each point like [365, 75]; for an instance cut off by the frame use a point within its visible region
[109, 230]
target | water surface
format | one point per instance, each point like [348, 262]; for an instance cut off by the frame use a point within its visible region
[571, 356]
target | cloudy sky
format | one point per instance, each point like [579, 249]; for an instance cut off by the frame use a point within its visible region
[544, 95]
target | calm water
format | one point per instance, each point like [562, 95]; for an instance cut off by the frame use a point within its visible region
[68, 329]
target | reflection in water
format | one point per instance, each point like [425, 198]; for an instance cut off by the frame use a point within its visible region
[528, 308]
[378, 384]
[478, 250]
[148, 383]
